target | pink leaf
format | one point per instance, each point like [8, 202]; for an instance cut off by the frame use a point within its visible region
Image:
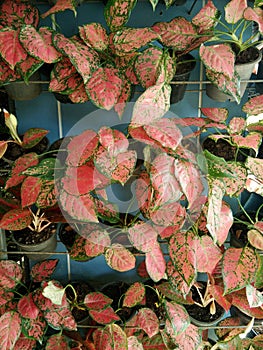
[16, 219]
[124, 97]
[217, 292]
[134, 344]
[155, 263]
[254, 14]
[234, 10]
[183, 256]
[97, 301]
[148, 321]
[25, 343]
[119, 258]
[30, 190]
[171, 214]
[254, 106]
[206, 18]
[10, 329]
[177, 280]
[96, 242]
[178, 317]
[10, 47]
[27, 307]
[117, 13]
[60, 5]
[252, 140]
[43, 270]
[239, 268]
[57, 342]
[239, 299]
[10, 274]
[143, 236]
[94, 35]
[40, 44]
[255, 238]
[236, 125]
[104, 87]
[104, 316]
[113, 140]
[190, 339]
[255, 165]
[134, 295]
[16, 13]
[207, 254]
[3, 148]
[216, 114]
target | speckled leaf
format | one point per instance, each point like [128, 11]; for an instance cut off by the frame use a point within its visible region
[83, 58]
[239, 268]
[82, 147]
[189, 178]
[7, 74]
[207, 254]
[226, 333]
[117, 13]
[28, 67]
[134, 295]
[33, 136]
[16, 219]
[104, 87]
[57, 342]
[143, 236]
[106, 210]
[190, 339]
[178, 317]
[118, 336]
[39, 43]
[10, 48]
[234, 10]
[165, 132]
[119, 258]
[60, 5]
[177, 281]
[124, 97]
[113, 140]
[30, 190]
[96, 242]
[168, 290]
[183, 255]
[97, 301]
[60, 317]
[216, 114]
[79, 180]
[16, 13]
[102, 339]
[130, 39]
[170, 214]
[21, 164]
[219, 58]
[236, 125]
[178, 33]
[94, 35]
[155, 263]
[253, 140]
[239, 299]
[147, 66]
[254, 14]
[79, 95]
[148, 321]
[104, 316]
[134, 343]
[79, 207]
[25, 343]
[48, 196]
[152, 104]
[43, 270]
[255, 238]
[27, 308]
[10, 274]
[10, 329]
[254, 105]
[206, 18]
[255, 165]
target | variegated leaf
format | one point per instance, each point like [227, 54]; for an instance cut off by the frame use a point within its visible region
[117, 13]
[143, 236]
[60, 5]
[134, 295]
[255, 238]
[11, 326]
[43, 270]
[104, 87]
[254, 105]
[16, 13]
[254, 14]
[104, 316]
[255, 165]
[171, 214]
[178, 317]
[216, 114]
[234, 10]
[254, 296]
[94, 35]
[97, 301]
[190, 339]
[148, 321]
[27, 307]
[30, 190]
[206, 18]
[33, 136]
[39, 44]
[177, 281]
[134, 343]
[236, 125]
[155, 263]
[239, 299]
[253, 140]
[10, 48]
[119, 258]
[208, 254]
[239, 267]
[16, 219]
[10, 274]
[113, 140]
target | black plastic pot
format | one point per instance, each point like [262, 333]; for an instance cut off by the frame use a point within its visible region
[184, 67]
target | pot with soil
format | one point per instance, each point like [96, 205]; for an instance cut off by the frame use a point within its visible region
[202, 315]
[245, 319]
[39, 242]
[184, 66]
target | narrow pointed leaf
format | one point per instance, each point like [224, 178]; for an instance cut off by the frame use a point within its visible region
[239, 268]
[3, 148]
[119, 258]
[117, 13]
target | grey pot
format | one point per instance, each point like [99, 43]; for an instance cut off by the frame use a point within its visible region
[244, 71]
[21, 91]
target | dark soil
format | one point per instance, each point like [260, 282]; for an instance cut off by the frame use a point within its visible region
[184, 64]
[153, 303]
[82, 289]
[28, 237]
[202, 313]
[239, 230]
[67, 235]
[116, 291]
[246, 56]
[222, 148]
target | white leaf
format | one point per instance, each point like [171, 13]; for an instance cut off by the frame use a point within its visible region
[54, 293]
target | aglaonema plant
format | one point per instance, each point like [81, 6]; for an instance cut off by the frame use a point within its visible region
[26, 313]
[23, 48]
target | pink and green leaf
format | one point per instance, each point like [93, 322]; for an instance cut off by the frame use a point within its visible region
[27, 308]
[30, 190]
[219, 115]
[97, 301]
[56, 342]
[143, 236]
[117, 13]
[33, 136]
[254, 106]
[178, 317]
[104, 316]
[239, 299]
[206, 18]
[60, 5]
[134, 295]
[208, 254]
[155, 263]
[10, 48]
[189, 339]
[147, 321]
[119, 258]
[234, 10]
[16, 219]
[10, 274]
[255, 238]
[113, 140]
[253, 140]
[10, 329]
[95, 36]
[96, 242]
[43, 270]
[254, 14]
[16, 13]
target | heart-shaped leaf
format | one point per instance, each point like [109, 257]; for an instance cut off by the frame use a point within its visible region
[143, 236]
[11, 49]
[147, 321]
[97, 301]
[119, 258]
[10, 329]
[27, 307]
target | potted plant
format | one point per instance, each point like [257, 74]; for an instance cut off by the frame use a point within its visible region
[234, 43]
[26, 315]
[18, 22]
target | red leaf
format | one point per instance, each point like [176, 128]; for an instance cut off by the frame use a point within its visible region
[3, 148]
[43, 270]
[134, 295]
[104, 316]
[10, 329]
[60, 317]
[21, 164]
[182, 253]
[119, 258]
[39, 44]
[239, 268]
[10, 47]
[141, 270]
[155, 263]
[33, 136]
[97, 301]
[25, 343]
[148, 321]
[143, 236]
[104, 87]
[208, 254]
[57, 342]
[16, 219]
[10, 274]
[16, 13]
[30, 190]
[239, 299]
[27, 308]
